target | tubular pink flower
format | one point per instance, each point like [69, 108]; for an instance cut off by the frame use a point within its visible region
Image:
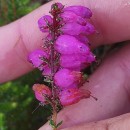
[41, 91]
[76, 62]
[69, 16]
[72, 96]
[80, 10]
[66, 44]
[77, 29]
[65, 78]
[36, 58]
[44, 22]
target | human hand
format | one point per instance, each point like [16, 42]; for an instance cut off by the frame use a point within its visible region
[110, 83]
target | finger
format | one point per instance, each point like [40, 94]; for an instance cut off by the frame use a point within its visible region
[117, 123]
[111, 18]
[110, 84]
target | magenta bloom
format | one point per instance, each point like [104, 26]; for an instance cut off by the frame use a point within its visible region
[66, 44]
[80, 11]
[36, 58]
[72, 96]
[77, 29]
[69, 17]
[65, 78]
[44, 22]
[76, 62]
[41, 91]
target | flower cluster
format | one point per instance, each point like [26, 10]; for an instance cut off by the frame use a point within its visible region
[65, 54]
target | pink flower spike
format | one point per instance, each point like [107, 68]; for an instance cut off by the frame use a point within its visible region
[36, 58]
[41, 91]
[65, 78]
[69, 16]
[80, 10]
[73, 95]
[66, 44]
[44, 22]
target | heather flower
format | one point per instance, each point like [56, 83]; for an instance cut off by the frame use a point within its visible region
[76, 61]
[72, 96]
[66, 78]
[70, 17]
[80, 11]
[77, 29]
[41, 92]
[44, 22]
[66, 44]
[36, 58]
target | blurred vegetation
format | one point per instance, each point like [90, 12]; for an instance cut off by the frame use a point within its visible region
[11, 10]
[16, 98]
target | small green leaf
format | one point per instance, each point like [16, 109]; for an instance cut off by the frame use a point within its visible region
[59, 124]
[52, 124]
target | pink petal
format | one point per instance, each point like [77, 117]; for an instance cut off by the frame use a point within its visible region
[69, 16]
[40, 90]
[36, 56]
[43, 23]
[72, 96]
[66, 44]
[80, 10]
[65, 78]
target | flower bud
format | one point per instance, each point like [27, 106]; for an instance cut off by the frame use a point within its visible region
[44, 22]
[36, 58]
[41, 92]
[77, 29]
[69, 16]
[57, 6]
[72, 96]
[66, 44]
[65, 78]
[80, 11]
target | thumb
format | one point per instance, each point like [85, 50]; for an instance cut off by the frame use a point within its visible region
[117, 123]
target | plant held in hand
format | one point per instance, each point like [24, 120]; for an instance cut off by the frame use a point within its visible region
[65, 54]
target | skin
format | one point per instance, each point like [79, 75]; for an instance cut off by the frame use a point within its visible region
[109, 83]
